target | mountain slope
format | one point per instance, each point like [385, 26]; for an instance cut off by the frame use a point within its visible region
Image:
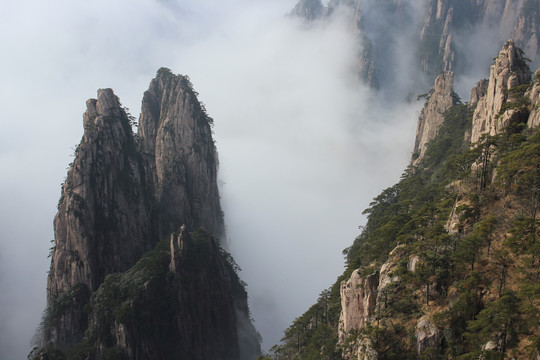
[447, 265]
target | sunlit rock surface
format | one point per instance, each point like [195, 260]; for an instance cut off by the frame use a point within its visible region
[494, 110]
[440, 99]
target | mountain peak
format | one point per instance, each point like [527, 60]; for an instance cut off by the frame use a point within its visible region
[509, 76]
[123, 197]
[440, 98]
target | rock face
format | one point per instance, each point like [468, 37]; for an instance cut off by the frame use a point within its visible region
[439, 15]
[178, 151]
[446, 20]
[431, 29]
[426, 333]
[534, 95]
[440, 99]
[123, 194]
[495, 110]
[361, 349]
[388, 270]
[526, 31]
[478, 92]
[189, 306]
[90, 232]
[374, 24]
[309, 9]
[358, 299]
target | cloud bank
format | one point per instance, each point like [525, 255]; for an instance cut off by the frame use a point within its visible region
[302, 149]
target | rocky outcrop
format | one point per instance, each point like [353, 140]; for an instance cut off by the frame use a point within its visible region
[440, 99]
[179, 154]
[103, 204]
[413, 262]
[500, 106]
[389, 269]
[478, 92]
[452, 224]
[358, 300]
[427, 334]
[186, 304]
[441, 56]
[361, 349]
[445, 21]
[361, 298]
[533, 94]
[309, 9]
[526, 31]
[383, 28]
[123, 194]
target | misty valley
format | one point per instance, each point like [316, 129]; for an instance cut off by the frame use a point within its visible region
[330, 180]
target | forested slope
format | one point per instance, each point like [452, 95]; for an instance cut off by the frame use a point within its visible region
[448, 263]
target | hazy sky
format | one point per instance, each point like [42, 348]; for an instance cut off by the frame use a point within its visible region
[302, 149]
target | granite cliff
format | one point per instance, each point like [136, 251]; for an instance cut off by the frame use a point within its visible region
[433, 30]
[502, 103]
[438, 100]
[137, 270]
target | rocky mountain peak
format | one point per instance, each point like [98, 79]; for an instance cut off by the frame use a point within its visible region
[495, 109]
[123, 195]
[101, 207]
[178, 150]
[439, 99]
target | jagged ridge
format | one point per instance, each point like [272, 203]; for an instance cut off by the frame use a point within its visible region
[123, 194]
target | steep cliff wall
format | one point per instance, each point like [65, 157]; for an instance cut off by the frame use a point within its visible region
[446, 21]
[358, 296]
[385, 29]
[123, 194]
[178, 151]
[103, 220]
[181, 301]
[534, 95]
[501, 105]
[440, 99]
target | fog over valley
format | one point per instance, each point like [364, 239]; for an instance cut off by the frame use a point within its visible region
[303, 143]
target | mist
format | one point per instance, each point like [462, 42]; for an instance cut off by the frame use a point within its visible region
[302, 148]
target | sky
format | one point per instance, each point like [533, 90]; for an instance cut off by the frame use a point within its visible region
[302, 148]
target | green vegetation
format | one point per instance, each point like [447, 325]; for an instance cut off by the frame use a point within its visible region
[479, 281]
[74, 297]
[314, 334]
[124, 297]
[516, 98]
[185, 83]
[145, 300]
